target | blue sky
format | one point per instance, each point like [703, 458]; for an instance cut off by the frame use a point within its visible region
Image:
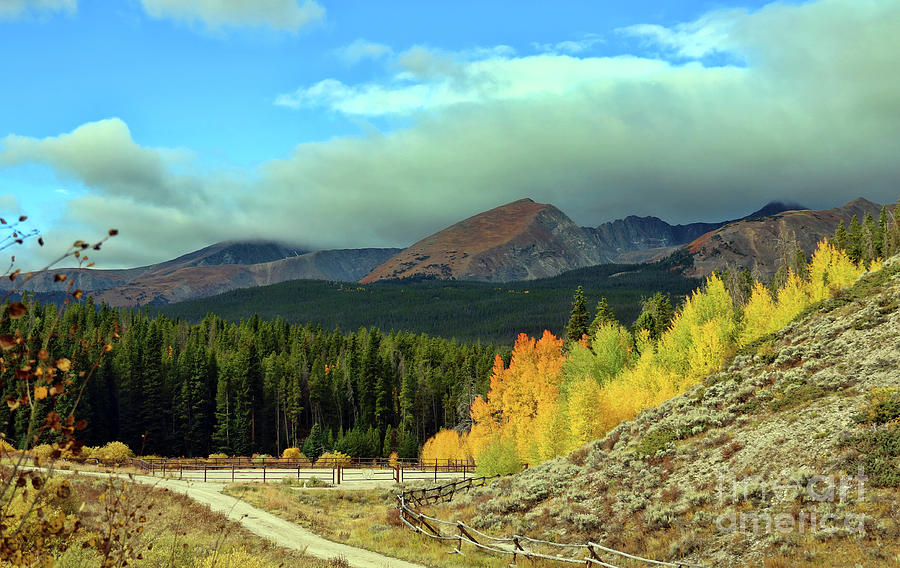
[337, 124]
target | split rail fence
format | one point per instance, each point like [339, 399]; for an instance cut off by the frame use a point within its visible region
[276, 469]
[516, 546]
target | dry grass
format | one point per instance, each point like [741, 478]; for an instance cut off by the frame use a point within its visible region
[168, 530]
[361, 518]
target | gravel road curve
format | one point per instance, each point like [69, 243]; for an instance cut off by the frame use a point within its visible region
[281, 532]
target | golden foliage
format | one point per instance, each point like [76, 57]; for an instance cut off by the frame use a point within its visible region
[113, 451]
[334, 459]
[446, 444]
[293, 454]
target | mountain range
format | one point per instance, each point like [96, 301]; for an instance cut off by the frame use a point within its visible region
[522, 240]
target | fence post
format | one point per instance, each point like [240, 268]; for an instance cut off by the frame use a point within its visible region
[164, 469]
[232, 472]
[204, 473]
[264, 472]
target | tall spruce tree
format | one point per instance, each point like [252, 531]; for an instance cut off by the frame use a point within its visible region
[840, 236]
[602, 315]
[854, 240]
[578, 320]
[881, 232]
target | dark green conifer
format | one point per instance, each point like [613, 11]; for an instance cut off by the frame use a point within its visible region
[578, 320]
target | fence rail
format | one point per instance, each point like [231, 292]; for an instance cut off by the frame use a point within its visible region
[352, 470]
[516, 546]
[272, 469]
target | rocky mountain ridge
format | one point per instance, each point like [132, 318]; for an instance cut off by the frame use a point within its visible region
[763, 244]
[212, 270]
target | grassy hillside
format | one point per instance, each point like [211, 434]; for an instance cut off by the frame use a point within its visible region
[468, 311]
[758, 465]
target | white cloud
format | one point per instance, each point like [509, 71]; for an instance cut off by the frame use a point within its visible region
[11, 9]
[430, 81]
[361, 49]
[708, 35]
[285, 15]
[814, 116]
[571, 47]
[103, 156]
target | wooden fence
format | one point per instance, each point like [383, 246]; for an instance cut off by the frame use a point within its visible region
[274, 469]
[516, 546]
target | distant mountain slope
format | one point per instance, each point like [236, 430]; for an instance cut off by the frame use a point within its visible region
[213, 270]
[232, 252]
[521, 240]
[641, 239]
[164, 287]
[761, 244]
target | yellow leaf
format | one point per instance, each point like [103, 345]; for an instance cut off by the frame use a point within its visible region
[40, 393]
[63, 364]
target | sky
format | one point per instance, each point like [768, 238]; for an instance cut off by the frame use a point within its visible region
[365, 124]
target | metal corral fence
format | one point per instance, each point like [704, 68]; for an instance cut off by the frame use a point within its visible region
[457, 532]
[275, 469]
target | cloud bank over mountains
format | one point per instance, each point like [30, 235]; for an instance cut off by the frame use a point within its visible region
[798, 102]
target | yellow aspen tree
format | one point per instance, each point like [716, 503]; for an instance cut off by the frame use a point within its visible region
[446, 444]
[759, 315]
[792, 299]
[830, 269]
[519, 391]
[584, 412]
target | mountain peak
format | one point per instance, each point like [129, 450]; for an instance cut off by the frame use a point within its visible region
[775, 207]
[861, 202]
[516, 241]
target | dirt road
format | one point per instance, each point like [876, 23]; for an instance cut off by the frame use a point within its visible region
[268, 526]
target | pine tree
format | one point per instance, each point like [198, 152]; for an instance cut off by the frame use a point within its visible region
[154, 407]
[867, 241]
[603, 314]
[578, 321]
[881, 232]
[854, 240]
[891, 244]
[841, 237]
[314, 446]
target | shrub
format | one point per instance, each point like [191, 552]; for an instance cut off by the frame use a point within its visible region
[294, 454]
[218, 456]
[314, 481]
[113, 451]
[6, 447]
[237, 558]
[393, 459]
[655, 442]
[43, 451]
[261, 458]
[333, 459]
[884, 407]
[499, 457]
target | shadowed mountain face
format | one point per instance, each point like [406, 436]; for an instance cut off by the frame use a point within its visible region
[761, 244]
[645, 239]
[519, 241]
[212, 270]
